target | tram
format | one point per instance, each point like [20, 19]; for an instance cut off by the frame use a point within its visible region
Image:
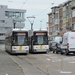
[38, 41]
[16, 41]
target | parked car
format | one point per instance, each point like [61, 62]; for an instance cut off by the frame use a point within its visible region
[52, 46]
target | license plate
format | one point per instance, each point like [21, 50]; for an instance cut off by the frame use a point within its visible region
[41, 47]
[20, 48]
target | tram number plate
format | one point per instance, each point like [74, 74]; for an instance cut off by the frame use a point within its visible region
[20, 48]
[41, 47]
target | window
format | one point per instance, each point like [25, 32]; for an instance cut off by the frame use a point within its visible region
[64, 14]
[73, 13]
[20, 38]
[2, 21]
[50, 20]
[10, 14]
[56, 21]
[2, 34]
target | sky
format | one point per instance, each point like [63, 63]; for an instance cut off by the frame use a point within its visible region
[37, 8]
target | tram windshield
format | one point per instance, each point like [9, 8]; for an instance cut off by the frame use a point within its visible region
[40, 39]
[20, 39]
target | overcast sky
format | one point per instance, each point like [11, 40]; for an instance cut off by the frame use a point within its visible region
[37, 8]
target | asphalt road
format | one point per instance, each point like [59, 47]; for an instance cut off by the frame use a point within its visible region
[36, 64]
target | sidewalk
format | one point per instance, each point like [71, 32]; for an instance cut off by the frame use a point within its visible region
[8, 66]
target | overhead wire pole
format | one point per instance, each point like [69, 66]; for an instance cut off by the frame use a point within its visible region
[44, 11]
[31, 22]
[41, 24]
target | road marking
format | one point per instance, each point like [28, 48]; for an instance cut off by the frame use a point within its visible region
[48, 59]
[53, 60]
[69, 58]
[53, 57]
[66, 72]
[56, 60]
[72, 62]
[46, 54]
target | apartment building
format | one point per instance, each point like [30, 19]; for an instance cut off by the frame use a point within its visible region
[67, 16]
[63, 18]
[73, 14]
[10, 18]
[55, 21]
[50, 25]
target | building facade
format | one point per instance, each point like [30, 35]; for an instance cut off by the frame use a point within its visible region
[73, 14]
[67, 16]
[10, 18]
[50, 25]
[63, 18]
[55, 21]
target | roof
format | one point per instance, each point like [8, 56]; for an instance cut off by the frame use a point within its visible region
[40, 30]
[69, 33]
[17, 29]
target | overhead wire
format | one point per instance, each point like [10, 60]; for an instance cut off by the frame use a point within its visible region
[10, 1]
[45, 9]
[24, 3]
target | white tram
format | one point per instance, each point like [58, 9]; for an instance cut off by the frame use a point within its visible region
[38, 41]
[16, 41]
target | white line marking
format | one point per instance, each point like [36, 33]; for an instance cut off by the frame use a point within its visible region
[69, 58]
[72, 62]
[48, 59]
[65, 72]
[56, 60]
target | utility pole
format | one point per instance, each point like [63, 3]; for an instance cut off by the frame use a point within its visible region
[14, 23]
[40, 24]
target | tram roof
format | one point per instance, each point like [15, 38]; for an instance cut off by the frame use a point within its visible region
[17, 29]
[40, 30]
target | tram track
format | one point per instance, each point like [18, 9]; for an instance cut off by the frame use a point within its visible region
[36, 66]
[30, 63]
[22, 58]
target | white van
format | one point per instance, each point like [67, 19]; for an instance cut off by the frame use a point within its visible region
[58, 39]
[68, 42]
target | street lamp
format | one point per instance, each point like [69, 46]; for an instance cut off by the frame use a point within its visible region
[40, 24]
[31, 22]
